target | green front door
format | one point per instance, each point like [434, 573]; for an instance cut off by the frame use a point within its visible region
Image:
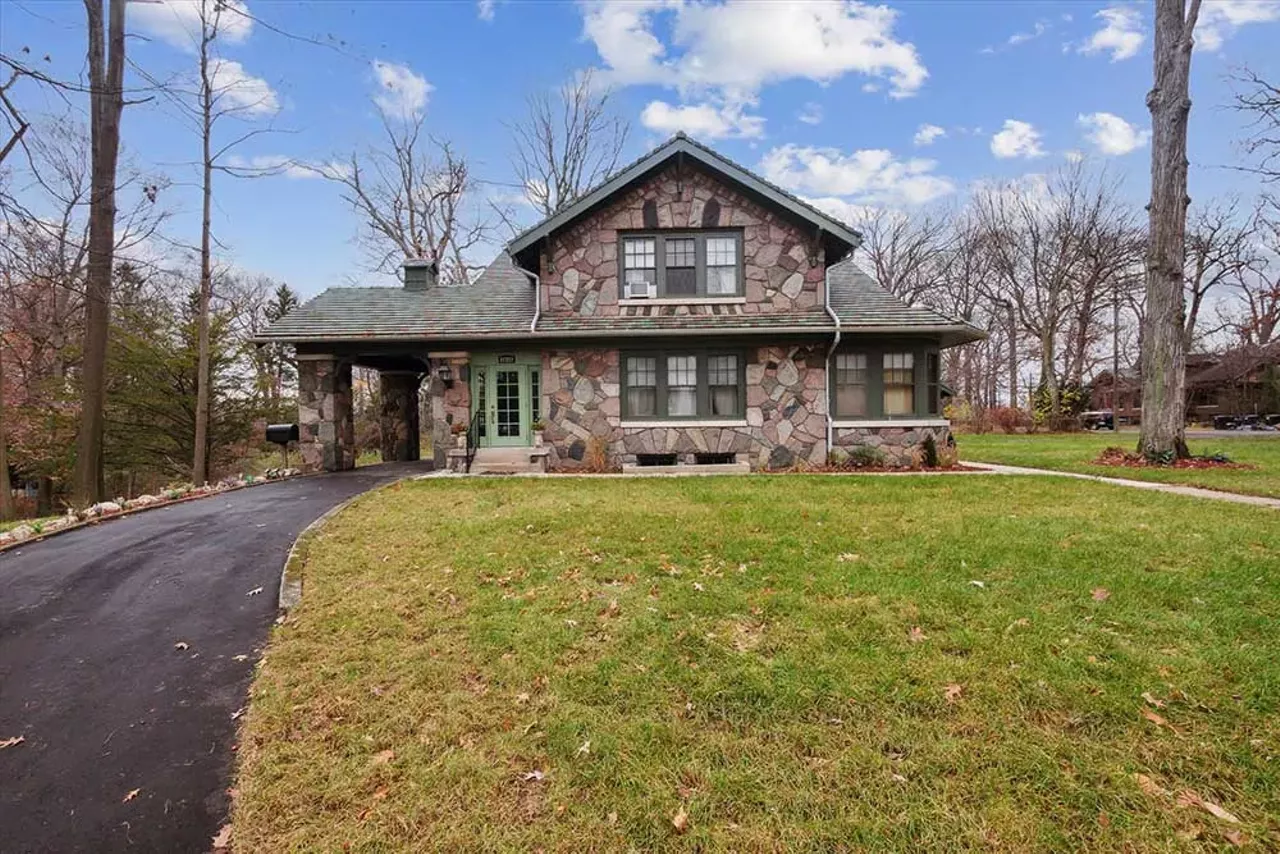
[504, 388]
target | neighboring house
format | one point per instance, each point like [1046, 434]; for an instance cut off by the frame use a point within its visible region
[683, 312]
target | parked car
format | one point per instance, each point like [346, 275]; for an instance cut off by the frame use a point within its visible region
[1100, 419]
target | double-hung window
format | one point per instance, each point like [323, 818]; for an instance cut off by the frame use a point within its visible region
[681, 264]
[899, 383]
[684, 385]
[851, 384]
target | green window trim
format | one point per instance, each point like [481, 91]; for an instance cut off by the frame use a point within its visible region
[671, 255]
[655, 368]
[925, 380]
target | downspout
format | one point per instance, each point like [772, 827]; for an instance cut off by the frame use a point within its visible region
[537, 295]
[835, 342]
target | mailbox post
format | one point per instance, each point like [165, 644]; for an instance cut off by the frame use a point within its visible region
[282, 435]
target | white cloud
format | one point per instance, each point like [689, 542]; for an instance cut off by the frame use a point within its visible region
[1121, 33]
[1111, 134]
[1219, 19]
[850, 213]
[928, 134]
[237, 90]
[702, 120]
[738, 46]
[401, 93]
[1018, 38]
[178, 21]
[810, 113]
[1017, 139]
[485, 9]
[869, 176]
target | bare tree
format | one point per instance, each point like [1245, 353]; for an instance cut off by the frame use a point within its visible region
[905, 252]
[415, 196]
[106, 99]
[566, 143]
[1164, 335]
[16, 122]
[1219, 251]
[1261, 100]
[1254, 318]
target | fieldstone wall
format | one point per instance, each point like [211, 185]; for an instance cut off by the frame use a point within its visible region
[326, 431]
[449, 406]
[785, 419]
[901, 446]
[581, 265]
[398, 420]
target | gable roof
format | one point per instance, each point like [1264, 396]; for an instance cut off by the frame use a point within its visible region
[680, 144]
[498, 303]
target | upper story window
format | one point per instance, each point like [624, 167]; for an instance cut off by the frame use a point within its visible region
[681, 264]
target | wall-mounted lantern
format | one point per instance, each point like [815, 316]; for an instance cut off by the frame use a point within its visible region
[445, 374]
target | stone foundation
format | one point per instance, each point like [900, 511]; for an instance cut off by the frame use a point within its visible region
[326, 431]
[901, 446]
[399, 416]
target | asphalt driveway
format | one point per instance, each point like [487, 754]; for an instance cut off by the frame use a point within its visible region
[92, 673]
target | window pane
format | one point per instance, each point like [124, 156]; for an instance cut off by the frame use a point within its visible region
[681, 252]
[851, 400]
[932, 368]
[640, 253]
[682, 281]
[722, 252]
[722, 378]
[851, 384]
[642, 401]
[899, 383]
[682, 385]
[722, 281]
[642, 371]
[535, 395]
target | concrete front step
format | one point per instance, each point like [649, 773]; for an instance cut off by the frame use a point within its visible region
[509, 461]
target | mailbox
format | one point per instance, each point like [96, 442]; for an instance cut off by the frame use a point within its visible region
[282, 434]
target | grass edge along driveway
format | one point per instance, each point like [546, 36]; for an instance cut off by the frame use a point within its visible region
[1076, 452]
[757, 663]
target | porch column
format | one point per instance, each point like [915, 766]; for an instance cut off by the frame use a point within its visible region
[326, 431]
[399, 416]
[450, 404]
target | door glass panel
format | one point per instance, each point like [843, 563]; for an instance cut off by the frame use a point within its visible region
[507, 398]
[482, 391]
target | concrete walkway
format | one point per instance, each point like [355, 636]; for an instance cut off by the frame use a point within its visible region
[1171, 488]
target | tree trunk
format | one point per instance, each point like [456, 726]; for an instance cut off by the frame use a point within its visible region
[1013, 359]
[6, 488]
[1164, 341]
[106, 79]
[200, 465]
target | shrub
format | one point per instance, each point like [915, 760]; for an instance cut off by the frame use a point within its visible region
[866, 456]
[930, 449]
[596, 458]
[1009, 418]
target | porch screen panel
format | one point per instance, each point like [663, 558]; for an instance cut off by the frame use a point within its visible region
[642, 385]
[682, 386]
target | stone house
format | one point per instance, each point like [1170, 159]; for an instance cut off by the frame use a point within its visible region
[685, 312]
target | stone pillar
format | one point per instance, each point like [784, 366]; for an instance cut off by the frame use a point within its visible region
[399, 416]
[326, 430]
[449, 405]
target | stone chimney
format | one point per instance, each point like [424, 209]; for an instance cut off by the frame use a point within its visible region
[420, 274]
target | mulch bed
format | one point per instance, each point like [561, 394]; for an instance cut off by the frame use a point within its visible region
[1127, 459]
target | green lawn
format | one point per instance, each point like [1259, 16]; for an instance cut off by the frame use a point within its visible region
[1077, 451]
[799, 663]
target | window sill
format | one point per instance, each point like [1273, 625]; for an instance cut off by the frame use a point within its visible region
[685, 301]
[903, 421]
[682, 422]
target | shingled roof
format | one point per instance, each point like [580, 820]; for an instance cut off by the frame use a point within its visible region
[863, 305]
[499, 303]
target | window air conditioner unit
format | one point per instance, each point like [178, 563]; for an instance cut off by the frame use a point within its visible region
[641, 290]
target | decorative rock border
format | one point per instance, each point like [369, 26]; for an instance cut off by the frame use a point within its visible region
[103, 510]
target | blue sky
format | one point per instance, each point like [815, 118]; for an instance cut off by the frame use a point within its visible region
[904, 104]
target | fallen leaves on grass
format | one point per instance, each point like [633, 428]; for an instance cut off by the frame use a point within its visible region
[847, 557]
[980, 584]
[613, 609]
[1150, 787]
[585, 748]
[1236, 838]
[917, 635]
[223, 838]
[1146, 695]
[133, 793]
[1188, 798]
[1159, 721]
[680, 821]
[383, 757]
[534, 776]
[12, 742]
[1101, 594]
[952, 692]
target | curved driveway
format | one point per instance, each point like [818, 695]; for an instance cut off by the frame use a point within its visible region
[92, 676]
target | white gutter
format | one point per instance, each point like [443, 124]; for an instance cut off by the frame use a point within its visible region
[835, 342]
[537, 296]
